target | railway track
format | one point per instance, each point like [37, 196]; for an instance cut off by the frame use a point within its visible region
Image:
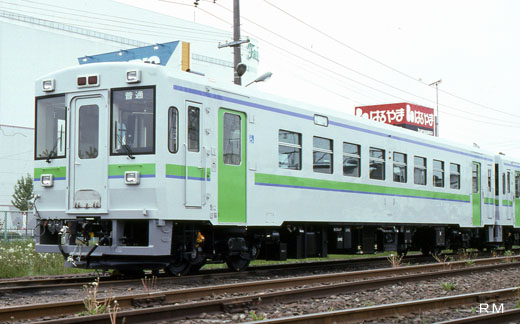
[382, 311]
[164, 304]
[34, 285]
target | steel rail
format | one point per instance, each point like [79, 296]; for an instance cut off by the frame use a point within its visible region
[9, 287]
[382, 311]
[183, 295]
[508, 316]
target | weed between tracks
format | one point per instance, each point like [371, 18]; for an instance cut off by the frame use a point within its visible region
[95, 306]
[395, 260]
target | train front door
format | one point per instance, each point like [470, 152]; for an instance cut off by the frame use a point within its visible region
[231, 166]
[88, 154]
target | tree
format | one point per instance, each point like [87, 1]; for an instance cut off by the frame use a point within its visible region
[23, 193]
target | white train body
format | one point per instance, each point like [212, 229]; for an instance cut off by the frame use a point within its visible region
[145, 165]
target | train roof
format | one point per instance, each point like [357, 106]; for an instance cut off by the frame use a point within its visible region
[287, 103]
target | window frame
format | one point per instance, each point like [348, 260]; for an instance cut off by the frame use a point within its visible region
[508, 181]
[232, 163]
[400, 165]
[81, 126]
[353, 156]
[324, 151]
[36, 99]
[188, 142]
[291, 145]
[154, 122]
[437, 170]
[421, 168]
[378, 161]
[456, 173]
[517, 184]
[489, 178]
[170, 109]
[474, 178]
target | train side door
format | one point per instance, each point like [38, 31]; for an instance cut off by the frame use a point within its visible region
[476, 194]
[231, 166]
[195, 172]
[88, 154]
[489, 195]
[517, 198]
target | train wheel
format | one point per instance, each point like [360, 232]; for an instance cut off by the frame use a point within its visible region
[236, 263]
[178, 267]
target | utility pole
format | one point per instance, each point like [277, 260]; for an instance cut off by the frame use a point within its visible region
[236, 37]
[436, 84]
[236, 44]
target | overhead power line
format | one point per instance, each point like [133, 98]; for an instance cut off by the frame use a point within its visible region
[382, 63]
[344, 66]
[116, 19]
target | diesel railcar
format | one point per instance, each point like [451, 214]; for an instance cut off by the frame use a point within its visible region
[139, 167]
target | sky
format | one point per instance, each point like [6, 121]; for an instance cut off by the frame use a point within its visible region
[342, 54]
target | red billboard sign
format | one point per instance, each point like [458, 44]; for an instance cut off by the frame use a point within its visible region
[400, 114]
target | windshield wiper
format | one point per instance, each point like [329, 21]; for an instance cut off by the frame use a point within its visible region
[126, 147]
[128, 151]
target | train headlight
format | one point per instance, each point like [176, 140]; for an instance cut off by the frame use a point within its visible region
[47, 180]
[48, 85]
[132, 177]
[133, 76]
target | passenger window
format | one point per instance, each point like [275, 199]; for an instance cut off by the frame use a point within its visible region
[497, 179]
[489, 178]
[508, 182]
[193, 128]
[438, 173]
[419, 170]
[454, 176]
[232, 137]
[399, 167]
[173, 130]
[322, 155]
[377, 164]
[289, 150]
[351, 160]
[517, 185]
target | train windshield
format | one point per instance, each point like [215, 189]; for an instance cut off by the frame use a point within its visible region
[133, 121]
[51, 128]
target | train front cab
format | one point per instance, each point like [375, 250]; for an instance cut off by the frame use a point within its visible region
[91, 198]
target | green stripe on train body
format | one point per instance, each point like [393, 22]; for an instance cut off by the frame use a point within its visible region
[57, 172]
[119, 169]
[178, 170]
[355, 187]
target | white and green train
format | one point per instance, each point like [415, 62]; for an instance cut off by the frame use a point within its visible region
[141, 167]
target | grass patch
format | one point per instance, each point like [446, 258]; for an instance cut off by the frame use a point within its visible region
[330, 257]
[19, 259]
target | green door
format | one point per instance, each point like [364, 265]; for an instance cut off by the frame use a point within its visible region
[476, 200]
[517, 199]
[231, 167]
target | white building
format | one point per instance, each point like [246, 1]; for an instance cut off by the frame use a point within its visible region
[41, 36]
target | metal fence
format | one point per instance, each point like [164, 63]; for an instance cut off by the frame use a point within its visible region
[16, 225]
